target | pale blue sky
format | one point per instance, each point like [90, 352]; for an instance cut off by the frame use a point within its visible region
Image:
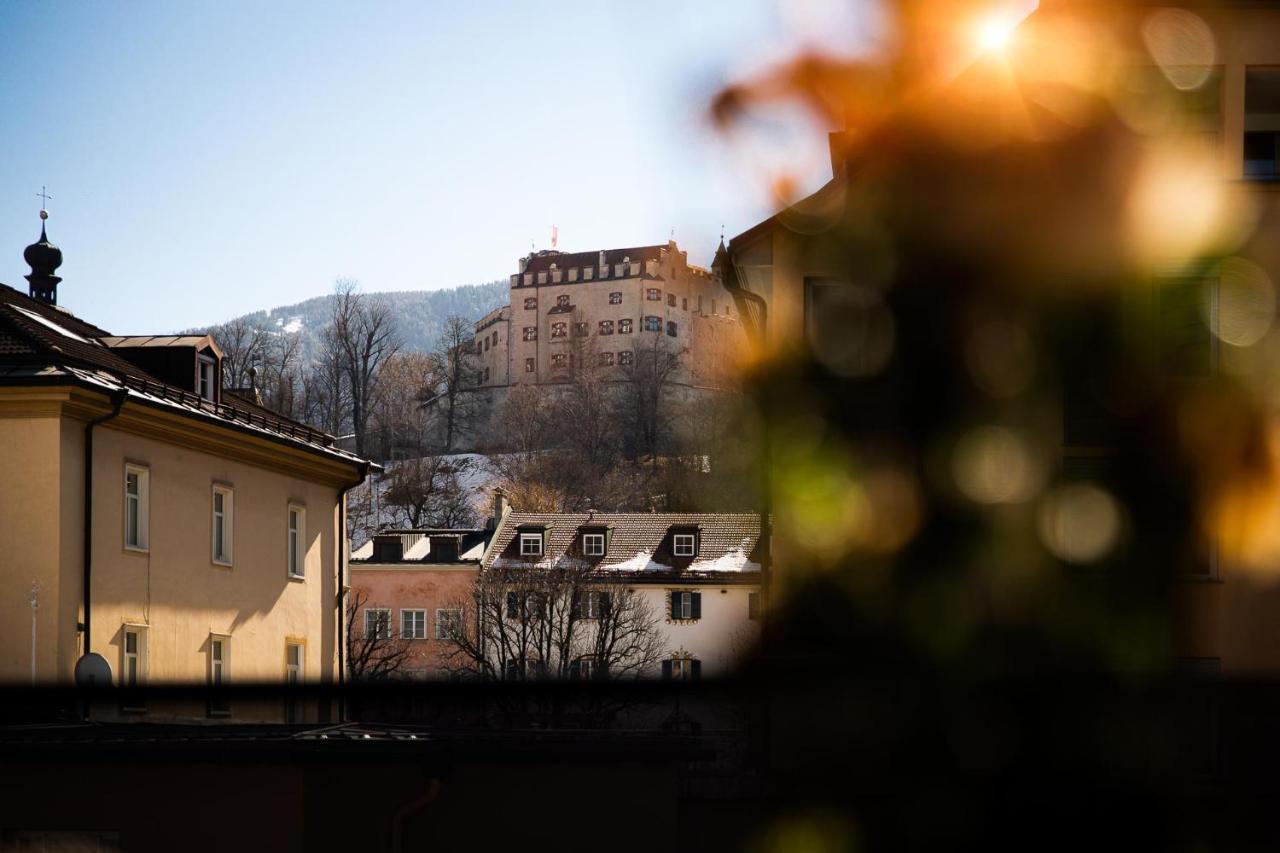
[207, 160]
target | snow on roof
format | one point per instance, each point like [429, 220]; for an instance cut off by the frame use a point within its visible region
[47, 323]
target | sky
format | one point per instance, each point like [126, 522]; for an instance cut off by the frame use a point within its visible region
[206, 160]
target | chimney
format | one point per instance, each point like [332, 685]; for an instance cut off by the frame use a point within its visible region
[604, 265]
[500, 506]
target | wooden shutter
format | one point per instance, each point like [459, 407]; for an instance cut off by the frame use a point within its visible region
[605, 602]
[666, 670]
[697, 669]
[696, 606]
[673, 605]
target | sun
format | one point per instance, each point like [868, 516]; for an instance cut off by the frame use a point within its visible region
[994, 32]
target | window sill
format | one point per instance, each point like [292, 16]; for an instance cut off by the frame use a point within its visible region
[294, 577]
[134, 549]
[221, 564]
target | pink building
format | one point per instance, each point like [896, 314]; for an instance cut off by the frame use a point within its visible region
[409, 583]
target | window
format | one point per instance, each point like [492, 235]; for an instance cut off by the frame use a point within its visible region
[624, 327]
[377, 623]
[671, 328]
[585, 668]
[219, 674]
[294, 664]
[207, 370]
[529, 365]
[486, 375]
[222, 521]
[684, 304]
[653, 294]
[562, 301]
[685, 544]
[653, 324]
[448, 623]
[542, 278]
[671, 300]
[753, 606]
[617, 270]
[137, 506]
[606, 327]
[1262, 124]
[592, 604]
[531, 544]
[413, 624]
[588, 273]
[559, 330]
[606, 359]
[1186, 316]
[682, 669]
[133, 670]
[593, 544]
[615, 298]
[297, 541]
[530, 333]
[528, 278]
[484, 344]
[559, 359]
[494, 336]
[530, 303]
[626, 358]
[573, 274]
[581, 330]
[686, 605]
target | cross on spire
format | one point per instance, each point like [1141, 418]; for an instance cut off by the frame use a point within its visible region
[43, 196]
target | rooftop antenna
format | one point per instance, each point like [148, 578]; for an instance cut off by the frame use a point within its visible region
[555, 236]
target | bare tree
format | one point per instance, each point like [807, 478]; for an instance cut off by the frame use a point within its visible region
[364, 335]
[527, 419]
[397, 420]
[429, 492]
[326, 392]
[377, 652]
[529, 623]
[643, 404]
[242, 344]
[453, 379]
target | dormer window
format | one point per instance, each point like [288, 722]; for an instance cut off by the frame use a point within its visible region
[684, 544]
[531, 544]
[593, 544]
[206, 378]
[562, 301]
[588, 273]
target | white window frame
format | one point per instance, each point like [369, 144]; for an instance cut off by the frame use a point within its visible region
[686, 606]
[593, 539]
[296, 541]
[535, 538]
[590, 605]
[587, 667]
[689, 541]
[138, 655]
[418, 631]
[444, 615]
[222, 553]
[142, 535]
[206, 377]
[385, 621]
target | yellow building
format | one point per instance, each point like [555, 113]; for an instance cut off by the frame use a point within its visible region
[185, 534]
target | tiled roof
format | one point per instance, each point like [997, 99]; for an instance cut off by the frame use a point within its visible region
[638, 543]
[542, 261]
[41, 342]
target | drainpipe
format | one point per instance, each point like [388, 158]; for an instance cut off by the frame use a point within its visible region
[344, 543]
[117, 401]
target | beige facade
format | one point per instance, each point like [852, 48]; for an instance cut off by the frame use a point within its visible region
[607, 307]
[214, 527]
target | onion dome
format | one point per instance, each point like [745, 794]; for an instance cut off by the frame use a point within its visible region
[44, 258]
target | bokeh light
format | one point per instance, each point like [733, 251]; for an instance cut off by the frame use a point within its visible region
[1079, 522]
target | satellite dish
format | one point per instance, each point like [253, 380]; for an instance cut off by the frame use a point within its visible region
[92, 670]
